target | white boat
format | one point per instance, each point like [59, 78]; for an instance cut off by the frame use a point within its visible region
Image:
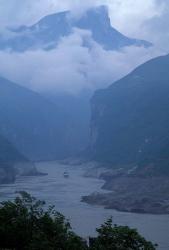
[66, 174]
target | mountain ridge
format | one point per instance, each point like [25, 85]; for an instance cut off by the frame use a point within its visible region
[46, 33]
[130, 135]
[30, 122]
[129, 118]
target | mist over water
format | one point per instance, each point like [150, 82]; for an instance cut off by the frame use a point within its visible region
[66, 193]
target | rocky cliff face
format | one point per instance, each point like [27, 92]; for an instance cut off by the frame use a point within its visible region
[130, 132]
[130, 119]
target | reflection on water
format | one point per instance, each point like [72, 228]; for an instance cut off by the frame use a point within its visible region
[65, 194]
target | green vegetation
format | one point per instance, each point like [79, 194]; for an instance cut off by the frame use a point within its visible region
[27, 224]
[120, 238]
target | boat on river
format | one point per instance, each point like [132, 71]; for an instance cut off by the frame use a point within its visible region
[66, 174]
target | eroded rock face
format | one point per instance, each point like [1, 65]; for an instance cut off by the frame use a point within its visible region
[129, 190]
[132, 193]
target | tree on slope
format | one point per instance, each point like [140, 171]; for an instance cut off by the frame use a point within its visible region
[26, 224]
[113, 237]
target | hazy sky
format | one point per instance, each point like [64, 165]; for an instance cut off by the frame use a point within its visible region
[39, 69]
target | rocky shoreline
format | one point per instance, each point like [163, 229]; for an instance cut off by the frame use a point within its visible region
[129, 192]
[9, 172]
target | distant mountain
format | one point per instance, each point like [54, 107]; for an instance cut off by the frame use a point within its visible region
[49, 30]
[32, 123]
[56, 125]
[13, 163]
[130, 119]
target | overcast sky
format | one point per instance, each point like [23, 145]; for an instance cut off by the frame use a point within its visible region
[136, 18]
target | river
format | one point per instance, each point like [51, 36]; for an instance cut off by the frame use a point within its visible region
[65, 194]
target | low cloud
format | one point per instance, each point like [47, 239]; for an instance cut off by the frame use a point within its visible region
[129, 16]
[71, 67]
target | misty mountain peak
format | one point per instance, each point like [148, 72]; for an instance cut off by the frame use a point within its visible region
[46, 33]
[94, 16]
[98, 16]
